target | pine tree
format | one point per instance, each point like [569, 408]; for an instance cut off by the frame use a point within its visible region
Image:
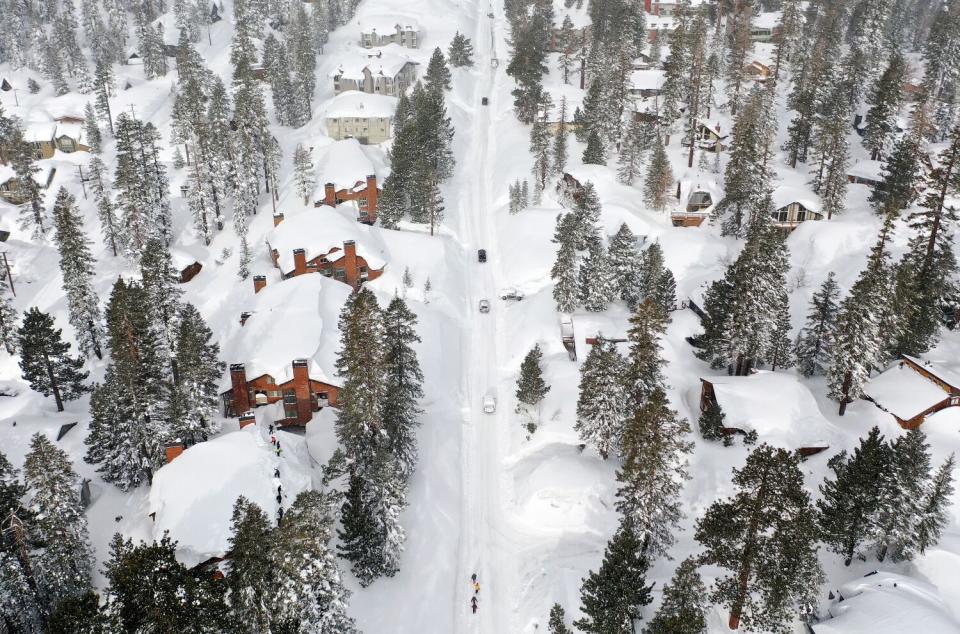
[711, 422]
[597, 284]
[64, 562]
[565, 271]
[45, 360]
[644, 370]
[612, 597]
[654, 279]
[460, 52]
[586, 212]
[852, 499]
[19, 609]
[765, 538]
[626, 262]
[567, 47]
[403, 383]
[531, 388]
[601, 407]
[540, 149]
[198, 372]
[933, 507]
[104, 88]
[594, 153]
[249, 581]
[816, 339]
[831, 149]
[437, 76]
[77, 267]
[653, 454]
[556, 623]
[33, 216]
[634, 147]
[358, 538]
[884, 100]
[683, 608]
[110, 226]
[8, 321]
[391, 207]
[658, 179]
[559, 153]
[900, 502]
[303, 173]
[91, 130]
[310, 595]
[779, 352]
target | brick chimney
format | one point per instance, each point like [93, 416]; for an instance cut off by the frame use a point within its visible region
[372, 195]
[241, 392]
[277, 218]
[244, 316]
[299, 261]
[173, 450]
[247, 418]
[301, 388]
[330, 194]
[350, 265]
[259, 282]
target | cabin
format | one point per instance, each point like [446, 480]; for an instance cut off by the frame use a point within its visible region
[41, 135]
[381, 30]
[777, 406]
[911, 389]
[5, 85]
[69, 134]
[329, 242]
[765, 27]
[284, 351]
[386, 72]
[364, 117]
[708, 137]
[346, 174]
[793, 205]
[883, 602]
[646, 84]
[10, 190]
[700, 200]
[187, 262]
[667, 7]
[869, 173]
[758, 72]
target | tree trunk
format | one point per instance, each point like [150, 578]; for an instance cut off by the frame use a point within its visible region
[53, 383]
[847, 381]
[746, 561]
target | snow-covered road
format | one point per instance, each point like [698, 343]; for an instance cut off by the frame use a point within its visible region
[484, 546]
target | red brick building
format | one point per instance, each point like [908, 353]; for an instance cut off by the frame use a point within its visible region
[301, 394]
[364, 193]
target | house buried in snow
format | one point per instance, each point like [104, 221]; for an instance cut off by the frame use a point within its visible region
[911, 389]
[775, 405]
[329, 242]
[793, 205]
[345, 174]
[381, 30]
[284, 349]
[361, 116]
[388, 71]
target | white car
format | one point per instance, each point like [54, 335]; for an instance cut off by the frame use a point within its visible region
[489, 403]
[484, 306]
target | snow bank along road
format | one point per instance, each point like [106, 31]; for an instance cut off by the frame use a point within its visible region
[484, 548]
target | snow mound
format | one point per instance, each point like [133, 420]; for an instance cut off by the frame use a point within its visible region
[903, 392]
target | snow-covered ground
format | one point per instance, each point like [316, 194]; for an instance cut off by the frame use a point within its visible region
[529, 513]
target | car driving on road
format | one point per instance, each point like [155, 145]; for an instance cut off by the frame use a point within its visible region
[489, 403]
[482, 255]
[484, 305]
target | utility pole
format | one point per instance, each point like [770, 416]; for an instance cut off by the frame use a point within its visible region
[6, 266]
[83, 182]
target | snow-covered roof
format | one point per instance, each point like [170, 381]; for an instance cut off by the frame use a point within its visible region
[903, 391]
[870, 170]
[387, 61]
[193, 496]
[291, 319]
[647, 79]
[319, 230]
[944, 370]
[342, 163]
[38, 130]
[766, 20]
[777, 405]
[387, 23]
[40, 177]
[354, 103]
[712, 127]
[183, 256]
[889, 603]
[72, 130]
[786, 194]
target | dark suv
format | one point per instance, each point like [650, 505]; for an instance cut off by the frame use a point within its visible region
[482, 255]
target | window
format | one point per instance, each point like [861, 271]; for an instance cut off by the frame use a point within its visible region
[340, 274]
[801, 216]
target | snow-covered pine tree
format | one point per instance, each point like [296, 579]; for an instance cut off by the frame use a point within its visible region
[26, 170]
[199, 368]
[391, 206]
[787, 38]
[309, 593]
[869, 26]
[884, 100]
[45, 359]
[831, 149]
[697, 88]
[601, 406]
[653, 454]
[675, 67]
[933, 508]
[612, 597]
[103, 83]
[594, 153]
[403, 383]
[635, 145]
[815, 341]
[437, 77]
[277, 66]
[110, 226]
[540, 150]
[433, 133]
[559, 152]
[902, 170]
[900, 500]
[77, 267]
[565, 271]
[161, 282]
[91, 129]
[64, 563]
[711, 421]
[524, 198]
[654, 280]
[625, 259]
[771, 518]
[598, 286]
[303, 57]
[851, 500]
[8, 321]
[531, 43]
[250, 578]
[460, 52]
[303, 176]
[779, 353]
[387, 489]
[359, 542]
[748, 174]
[531, 388]
[643, 373]
[19, 610]
[556, 624]
[739, 45]
[567, 46]
[658, 178]
[683, 607]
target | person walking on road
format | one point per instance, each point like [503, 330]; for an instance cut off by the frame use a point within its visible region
[473, 604]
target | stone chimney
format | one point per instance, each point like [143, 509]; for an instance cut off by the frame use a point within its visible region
[330, 194]
[277, 218]
[241, 392]
[247, 418]
[301, 388]
[259, 282]
[173, 450]
[299, 261]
